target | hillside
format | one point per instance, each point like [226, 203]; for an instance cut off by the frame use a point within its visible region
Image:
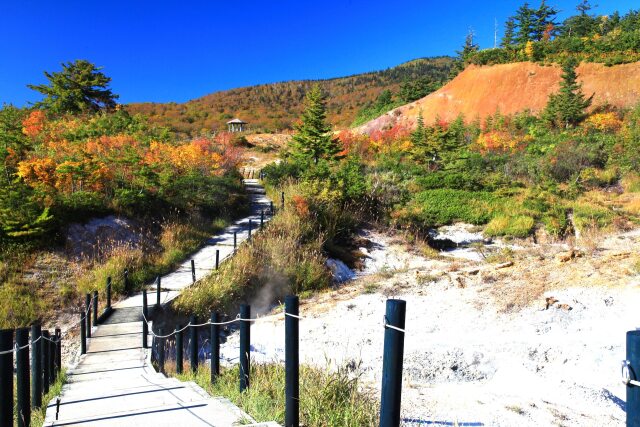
[480, 91]
[277, 106]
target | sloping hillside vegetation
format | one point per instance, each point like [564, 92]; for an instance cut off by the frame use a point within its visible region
[276, 106]
[482, 91]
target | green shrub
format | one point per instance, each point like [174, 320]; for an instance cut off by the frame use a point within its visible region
[433, 208]
[516, 226]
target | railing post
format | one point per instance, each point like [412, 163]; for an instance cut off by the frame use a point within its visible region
[23, 407]
[392, 363]
[158, 290]
[36, 366]
[261, 219]
[179, 350]
[235, 240]
[632, 367]
[109, 293]
[282, 200]
[52, 359]
[271, 207]
[83, 333]
[145, 316]
[245, 342]
[160, 351]
[6, 378]
[87, 302]
[193, 337]
[127, 285]
[95, 307]
[217, 258]
[59, 350]
[193, 271]
[46, 366]
[215, 346]
[250, 225]
[292, 360]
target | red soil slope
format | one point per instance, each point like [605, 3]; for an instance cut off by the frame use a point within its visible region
[510, 88]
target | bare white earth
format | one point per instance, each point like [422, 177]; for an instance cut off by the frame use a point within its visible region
[535, 343]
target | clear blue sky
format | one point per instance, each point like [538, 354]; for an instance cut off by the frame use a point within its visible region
[179, 50]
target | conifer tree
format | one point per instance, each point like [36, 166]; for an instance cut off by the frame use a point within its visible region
[524, 18]
[567, 107]
[509, 33]
[543, 19]
[79, 88]
[313, 139]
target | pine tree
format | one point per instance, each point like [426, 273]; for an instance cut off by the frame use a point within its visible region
[543, 19]
[568, 107]
[313, 139]
[509, 33]
[524, 18]
[582, 25]
[468, 49]
[79, 88]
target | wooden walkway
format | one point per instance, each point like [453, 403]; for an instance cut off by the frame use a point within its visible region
[114, 384]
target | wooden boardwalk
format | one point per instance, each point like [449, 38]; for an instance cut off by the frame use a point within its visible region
[114, 384]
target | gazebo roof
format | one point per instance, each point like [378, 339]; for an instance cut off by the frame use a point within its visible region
[236, 121]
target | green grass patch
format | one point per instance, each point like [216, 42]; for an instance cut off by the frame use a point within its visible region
[38, 414]
[327, 398]
[505, 225]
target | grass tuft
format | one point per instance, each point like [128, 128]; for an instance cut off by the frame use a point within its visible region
[327, 398]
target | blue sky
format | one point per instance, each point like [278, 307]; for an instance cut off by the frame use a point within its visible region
[175, 51]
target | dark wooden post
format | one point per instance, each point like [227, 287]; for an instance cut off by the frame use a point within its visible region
[87, 303]
[193, 337]
[193, 271]
[6, 378]
[631, 372]
[282, 200]
[215, 346]
[46, 354]
[145, 316]
[127, 285]
[108, 293]
[179, 350]
[292, 361]
[392, 363]
[261, 219]
[245, 342]
[250, 225]
[59, 350]
[160, 342]
[36, 366]
[235, 240]
[217, 258]
[158, 291]
[52, 359]
[271, 207]
[95, 307]
[23, 407]
[83, 333]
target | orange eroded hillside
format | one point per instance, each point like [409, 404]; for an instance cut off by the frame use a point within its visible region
[511, 88]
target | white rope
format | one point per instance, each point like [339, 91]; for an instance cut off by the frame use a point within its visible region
[16, 349]
[294, 316]
[387, 325]
[626, 374]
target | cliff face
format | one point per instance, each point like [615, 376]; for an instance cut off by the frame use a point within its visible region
[510, 88]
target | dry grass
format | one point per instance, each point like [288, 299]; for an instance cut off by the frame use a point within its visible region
[285, 257]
